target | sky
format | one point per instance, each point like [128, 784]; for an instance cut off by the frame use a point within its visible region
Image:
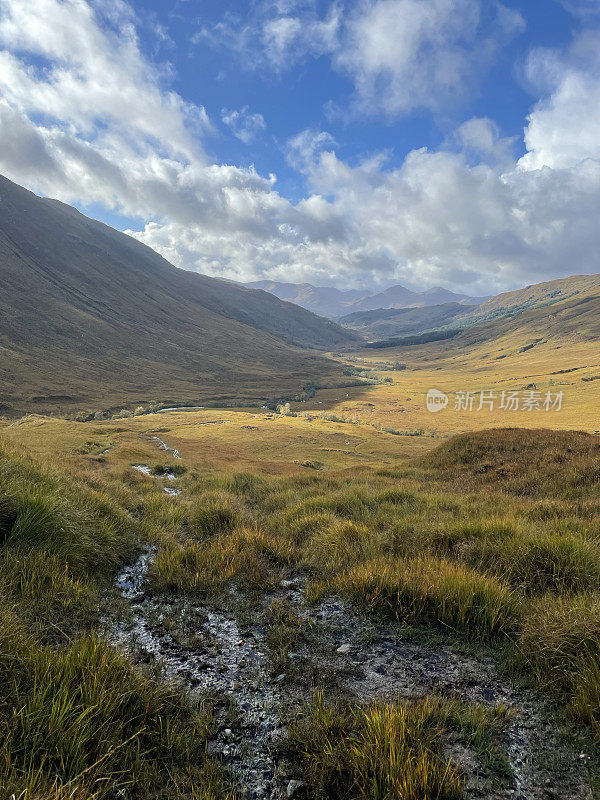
[348, 143]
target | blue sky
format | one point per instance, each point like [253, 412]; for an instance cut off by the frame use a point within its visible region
[342, 142]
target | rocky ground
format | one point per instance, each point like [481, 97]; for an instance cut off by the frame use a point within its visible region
[260, 657]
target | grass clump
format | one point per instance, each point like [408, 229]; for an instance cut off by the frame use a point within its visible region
[81, 721]
[168, 469]
[552, 563]
[340, 545]
[213, 513]
[248, 556]
[385, 751]
[434, 591]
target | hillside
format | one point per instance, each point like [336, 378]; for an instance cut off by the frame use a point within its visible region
[89, 315]
[540, 294]
[331, 302]
[386, 322]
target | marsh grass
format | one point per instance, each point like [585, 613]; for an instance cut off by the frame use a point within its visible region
[393, 750]
[81, 720]
[465, 542]
[248, 556]
[432, 591]
[76, 719]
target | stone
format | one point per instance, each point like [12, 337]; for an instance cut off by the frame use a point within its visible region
[343, 649]
[213, 748]
[294, 788]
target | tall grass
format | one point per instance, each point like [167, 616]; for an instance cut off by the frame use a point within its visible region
[434, 591]
[81, 720]
[385, 751]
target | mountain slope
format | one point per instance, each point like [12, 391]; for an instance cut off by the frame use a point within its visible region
[557, 315]
[324, 300]
[331, 302]
[540, 294]
[386, 322]
[90, 315]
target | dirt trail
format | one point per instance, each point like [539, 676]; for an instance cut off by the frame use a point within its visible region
[368, 660]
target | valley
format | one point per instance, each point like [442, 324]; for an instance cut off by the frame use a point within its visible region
[286, 575]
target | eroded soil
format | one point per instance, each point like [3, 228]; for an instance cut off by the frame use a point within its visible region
[224, 650]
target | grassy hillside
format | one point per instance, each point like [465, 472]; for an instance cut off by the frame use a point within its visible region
[404, 598]
[384, 323]
[538, 295]
[91, 316]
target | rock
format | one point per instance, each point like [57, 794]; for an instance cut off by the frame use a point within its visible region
[213, 748]
[291, 584]
[280, 678]
[343, 649]
[294, 788]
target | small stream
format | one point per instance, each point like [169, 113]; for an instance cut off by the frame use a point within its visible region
[370, 661]
[228, 663]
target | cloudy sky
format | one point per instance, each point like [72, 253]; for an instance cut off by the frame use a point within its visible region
[355, 143]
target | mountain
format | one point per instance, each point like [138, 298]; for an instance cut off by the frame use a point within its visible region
[334, 303]
[540, 294]
[543, 318]
[324, 300]
[89, 315]
[388, 322]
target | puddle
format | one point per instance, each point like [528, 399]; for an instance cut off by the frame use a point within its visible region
[165, 446]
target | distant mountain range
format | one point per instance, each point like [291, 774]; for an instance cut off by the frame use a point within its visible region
[334, 303]
[92, 318]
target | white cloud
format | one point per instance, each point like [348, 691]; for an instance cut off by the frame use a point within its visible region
[400, 54]
[581, 8]
[244, 125]
[479, 139]
[98, 123]
[564, 127]
[276, 35]
[408, 54]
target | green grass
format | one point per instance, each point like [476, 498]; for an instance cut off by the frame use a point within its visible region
[388, 751]
[465, 542]
[433, 591]
[81, 719]
[76, 719]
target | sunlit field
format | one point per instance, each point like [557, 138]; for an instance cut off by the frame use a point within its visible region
[488, 542]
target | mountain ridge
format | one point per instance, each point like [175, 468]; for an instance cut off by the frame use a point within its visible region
[92, 315]
[335, 303]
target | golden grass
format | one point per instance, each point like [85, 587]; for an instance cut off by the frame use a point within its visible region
[385, 751]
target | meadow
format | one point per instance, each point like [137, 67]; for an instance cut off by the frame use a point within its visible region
[488, 540]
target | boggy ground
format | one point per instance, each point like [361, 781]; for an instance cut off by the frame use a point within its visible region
[232, 653]
[428, 630]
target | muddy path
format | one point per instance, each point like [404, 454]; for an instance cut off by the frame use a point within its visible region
[223, 651]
